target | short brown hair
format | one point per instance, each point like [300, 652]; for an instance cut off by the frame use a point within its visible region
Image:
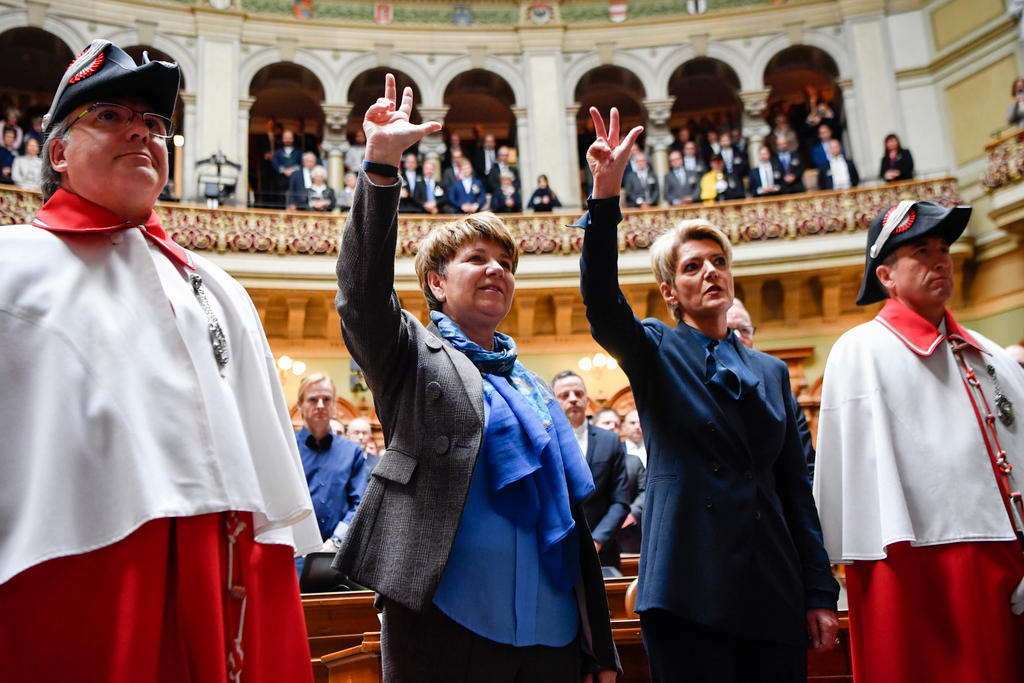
[665, 250]
[439, 247]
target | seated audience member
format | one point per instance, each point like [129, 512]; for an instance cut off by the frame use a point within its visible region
[467, 193]
[543, 198]
[820, 152]
[320, 196]
[8, 153]
[838, 172]
[347, 193]
[608, 505]
[300, 181]
[334, 466]
[792, 166]
[361, 431]
[506, 198]
[680, 185]
[356, 150]
[897, 164]
[27, 169]
[718, 184]
[411, 180]
[607, 418]
[642, 184]
[1015, 112]
[766, 177]
[736, 161]
[430, 193]
[10, 123]
[500, 167]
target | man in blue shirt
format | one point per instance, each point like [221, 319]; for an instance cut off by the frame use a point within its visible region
[335, 467]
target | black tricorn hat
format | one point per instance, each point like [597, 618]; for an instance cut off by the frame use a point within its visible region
[902, 224]
[105, 70]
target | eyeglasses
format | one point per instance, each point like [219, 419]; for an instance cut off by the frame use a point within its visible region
[116, 117]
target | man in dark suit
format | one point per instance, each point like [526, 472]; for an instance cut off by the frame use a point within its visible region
[286, 160]
[608, 505]
[642, 185]
[766, 177]
[467, 194]
[681, 186]
[736, 162]
[484, 158]
[792, 167]
[431, 194]
[300, 181]
[838, 172]
[493, 181]
[411, 180]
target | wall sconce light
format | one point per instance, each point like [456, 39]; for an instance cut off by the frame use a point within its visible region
[598, 361]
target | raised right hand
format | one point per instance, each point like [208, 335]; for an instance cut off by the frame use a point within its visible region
[387, 127]
[608, 156]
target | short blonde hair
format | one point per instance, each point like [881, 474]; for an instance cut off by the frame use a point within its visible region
[316, 378]
[439, 247]
[665, 250]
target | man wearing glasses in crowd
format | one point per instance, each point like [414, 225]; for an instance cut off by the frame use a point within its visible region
[152, 494]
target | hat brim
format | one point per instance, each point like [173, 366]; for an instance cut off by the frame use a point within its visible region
[950, 227]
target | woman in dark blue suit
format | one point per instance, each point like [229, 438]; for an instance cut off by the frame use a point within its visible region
[734, 581]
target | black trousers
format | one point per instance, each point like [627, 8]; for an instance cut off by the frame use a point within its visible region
[431, 648]
[682, 651]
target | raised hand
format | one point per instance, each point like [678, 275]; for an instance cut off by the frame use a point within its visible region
[387, 127]
[608, 155]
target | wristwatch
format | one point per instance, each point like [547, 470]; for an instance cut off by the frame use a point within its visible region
[380, 169]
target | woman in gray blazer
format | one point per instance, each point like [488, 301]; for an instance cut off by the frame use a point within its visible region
[471, 529]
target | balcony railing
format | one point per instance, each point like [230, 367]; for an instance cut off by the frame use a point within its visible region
[1005, 160]
[802, 216]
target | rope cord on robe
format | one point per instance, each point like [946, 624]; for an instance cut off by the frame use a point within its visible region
[236, 591]
[1001, 467]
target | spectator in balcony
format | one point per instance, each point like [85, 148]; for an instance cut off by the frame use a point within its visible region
[27, 169]
[10, 122]
[411, 181]
[450, 159]
[683, 135]
[8, 153]
[452, 171]
[347, 193]
[501, 166]
[286, 160]
[300, 181]
[710, 144]
[431, 194]
[334, 466]
[682, 186]
[897, 164]
[506, 198]
[734, 580]
[484, 161]
[720, 185]
[839, 171]
[543, 198]
[783, 129]
[505, 580]
[632, 167]
[642, 184]
[736, 163]
[820, 152]
[792, 167]
[320, 196]
[1015, 112]
[766, 177]
[356, 150]
[36, 131]
[467, 193]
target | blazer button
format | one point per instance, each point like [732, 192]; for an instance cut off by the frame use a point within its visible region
[433, 391]
[748, 474]
[441, 444]
[715, 466]
[708, 504]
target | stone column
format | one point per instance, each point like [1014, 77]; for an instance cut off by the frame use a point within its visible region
[242, 187]
[188, 152]
[570, 195]
[527, 162]
[432, 146]
[222, 107]
[755, 126]
[659, 136]
[335, 124]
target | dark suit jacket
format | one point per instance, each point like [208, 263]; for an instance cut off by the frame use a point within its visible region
[825, 175]
[440, 195]
[297, 190]
[411, 204]
[498, 203]
[904, 163]
[281, 161]
[636, 484]
[608, 505]
[796, 168]
[430, 401]
[755, 178]
[494, 178]
[673, 190]
[731, 537]
[740, 164]
[637, 191]
[457, 195]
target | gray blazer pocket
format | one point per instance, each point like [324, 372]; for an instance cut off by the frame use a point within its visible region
[395, 466]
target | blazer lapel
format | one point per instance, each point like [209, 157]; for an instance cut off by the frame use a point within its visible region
[471, 378]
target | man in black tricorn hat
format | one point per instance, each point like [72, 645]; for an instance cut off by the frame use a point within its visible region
[917, 444]
[151, 493]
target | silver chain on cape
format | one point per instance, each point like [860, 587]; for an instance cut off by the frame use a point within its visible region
[217, 338]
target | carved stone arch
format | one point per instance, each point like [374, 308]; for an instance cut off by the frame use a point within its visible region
[499, 67]
[668, 67]
[75, 40]
[622, 401]
[321, 69]
[738, 62]
[580, 68]
[777, 44]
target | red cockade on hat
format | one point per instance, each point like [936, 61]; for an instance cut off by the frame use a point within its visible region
[88, 70]
[907, 222]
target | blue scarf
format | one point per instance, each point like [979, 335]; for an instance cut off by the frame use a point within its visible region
[531, 483]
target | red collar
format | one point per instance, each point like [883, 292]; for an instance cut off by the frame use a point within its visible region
[919, 335]
[67, 212]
